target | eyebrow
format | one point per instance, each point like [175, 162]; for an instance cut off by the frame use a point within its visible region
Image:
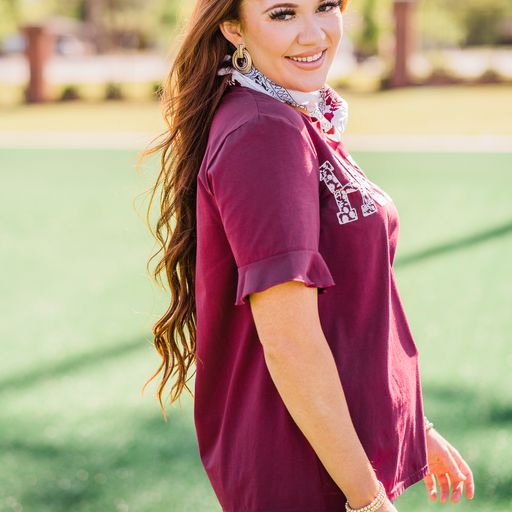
[285, 4]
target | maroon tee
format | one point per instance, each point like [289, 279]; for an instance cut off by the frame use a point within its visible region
[278, 201]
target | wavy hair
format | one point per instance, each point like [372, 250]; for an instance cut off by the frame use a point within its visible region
[192, 77]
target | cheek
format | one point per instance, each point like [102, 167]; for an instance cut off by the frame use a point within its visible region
[335, 29]
[272, 41]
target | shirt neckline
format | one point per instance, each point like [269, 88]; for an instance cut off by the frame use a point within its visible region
[300, 111]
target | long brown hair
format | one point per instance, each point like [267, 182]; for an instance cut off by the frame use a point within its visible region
[189, 97]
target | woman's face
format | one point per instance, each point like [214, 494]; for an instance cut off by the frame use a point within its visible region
[280, 36]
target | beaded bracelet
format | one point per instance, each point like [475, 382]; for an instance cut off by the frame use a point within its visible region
[374, 505]
[428, 424]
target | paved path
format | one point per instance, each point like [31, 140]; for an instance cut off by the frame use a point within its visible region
[137, 140]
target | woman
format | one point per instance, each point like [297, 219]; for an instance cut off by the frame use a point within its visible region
[307, 391]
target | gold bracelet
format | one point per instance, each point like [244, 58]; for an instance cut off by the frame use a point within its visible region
[374, 505]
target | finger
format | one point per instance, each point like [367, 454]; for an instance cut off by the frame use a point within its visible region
[470, 486]
[452, 466]
[469, 483]
[457, 492]
[430, 484]
[444, 486]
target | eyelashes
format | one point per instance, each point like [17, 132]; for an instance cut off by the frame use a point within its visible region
[278, 14]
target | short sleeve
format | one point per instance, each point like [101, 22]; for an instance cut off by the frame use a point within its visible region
[265, 182]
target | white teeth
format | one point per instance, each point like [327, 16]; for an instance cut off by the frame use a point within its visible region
[312, 58]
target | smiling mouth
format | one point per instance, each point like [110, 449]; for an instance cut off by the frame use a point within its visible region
[311, 58]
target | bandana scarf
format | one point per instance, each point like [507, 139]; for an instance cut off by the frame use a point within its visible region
[323, 105]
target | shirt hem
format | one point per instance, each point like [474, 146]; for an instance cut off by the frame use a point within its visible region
[281, 510]
[400, 487]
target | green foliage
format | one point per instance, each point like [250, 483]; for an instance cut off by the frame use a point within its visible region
[9, 15]
[482, 20]
[437, 23]
[462, 22]
[152, 21]
[437, 27]
[14, 13]
[367, 40]
[69, 93]
[157, 22]
[114, 91]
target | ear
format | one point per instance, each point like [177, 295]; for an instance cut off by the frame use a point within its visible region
[232, 31]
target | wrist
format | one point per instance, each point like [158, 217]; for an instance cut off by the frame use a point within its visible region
[427, 424]
[371, 501]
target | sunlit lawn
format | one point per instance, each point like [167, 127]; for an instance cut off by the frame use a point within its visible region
[77, 307]
[477, 109]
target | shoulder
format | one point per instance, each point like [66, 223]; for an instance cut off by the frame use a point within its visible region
[245, 113]
[256, 137]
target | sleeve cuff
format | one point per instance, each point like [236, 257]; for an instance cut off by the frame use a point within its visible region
[304, 265]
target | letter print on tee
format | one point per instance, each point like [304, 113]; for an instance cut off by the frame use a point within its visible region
[357, 182]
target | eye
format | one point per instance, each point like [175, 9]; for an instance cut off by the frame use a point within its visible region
[329, 6]
[280, 14]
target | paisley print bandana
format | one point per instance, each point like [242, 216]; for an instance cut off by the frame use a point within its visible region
[323, 105]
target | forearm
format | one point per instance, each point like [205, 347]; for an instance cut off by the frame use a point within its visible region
[307, 379]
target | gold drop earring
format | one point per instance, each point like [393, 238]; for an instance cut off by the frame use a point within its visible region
[241, 53]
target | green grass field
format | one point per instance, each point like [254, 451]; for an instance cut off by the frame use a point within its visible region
[77, 306]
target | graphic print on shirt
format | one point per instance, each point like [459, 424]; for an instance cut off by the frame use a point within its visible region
[357, 182]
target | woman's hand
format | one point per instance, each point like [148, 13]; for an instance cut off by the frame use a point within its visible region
[446, 463]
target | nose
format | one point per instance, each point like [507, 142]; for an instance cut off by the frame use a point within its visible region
[311, 32]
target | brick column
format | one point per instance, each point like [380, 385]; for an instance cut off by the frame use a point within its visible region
[403, 11]
[39, 48]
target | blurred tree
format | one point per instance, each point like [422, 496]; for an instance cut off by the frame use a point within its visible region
[9, 17]
[366, 42]
[482, 20]
[91, 13]
[463, 22]
[437, 25]
[129, 23]
[135, 24]
[145, 23]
